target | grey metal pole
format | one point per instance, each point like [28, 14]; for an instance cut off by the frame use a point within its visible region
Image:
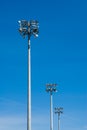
[51, 88]
[29, 88]
[58, 121]
[51, 112]
[29, 28]
[58, 110]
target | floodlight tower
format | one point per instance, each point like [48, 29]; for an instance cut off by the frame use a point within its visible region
[28, 28]
[51, 88]
[58, 110]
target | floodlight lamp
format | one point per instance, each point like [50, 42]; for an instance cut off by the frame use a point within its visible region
[35, 32]
[54, 89]
[34, 22]
[20, 30]
[19, 21]
[24, 23]
[48, 89]
[61, 111]
[36, 35]
[55, 108]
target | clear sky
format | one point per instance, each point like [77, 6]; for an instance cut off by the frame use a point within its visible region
[59, 55]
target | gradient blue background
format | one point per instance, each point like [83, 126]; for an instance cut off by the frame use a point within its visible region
[59, 55]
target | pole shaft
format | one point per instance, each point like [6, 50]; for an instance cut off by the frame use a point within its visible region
[29, 88]
[51, 112]
[58, 121]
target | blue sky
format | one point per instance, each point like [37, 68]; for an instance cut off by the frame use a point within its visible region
[59, 55]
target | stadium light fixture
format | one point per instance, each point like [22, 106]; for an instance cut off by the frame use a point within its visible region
[59, 110]
[51, 88]
[29, 28]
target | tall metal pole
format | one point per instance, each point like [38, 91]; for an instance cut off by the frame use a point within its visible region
[58, 121]
[28, 28]
[51, 88]
[29, 87]
[51, 112]
[58, 111]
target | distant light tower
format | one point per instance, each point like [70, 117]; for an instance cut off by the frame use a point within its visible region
[28, 28]
[58, 111]
[51, 88]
